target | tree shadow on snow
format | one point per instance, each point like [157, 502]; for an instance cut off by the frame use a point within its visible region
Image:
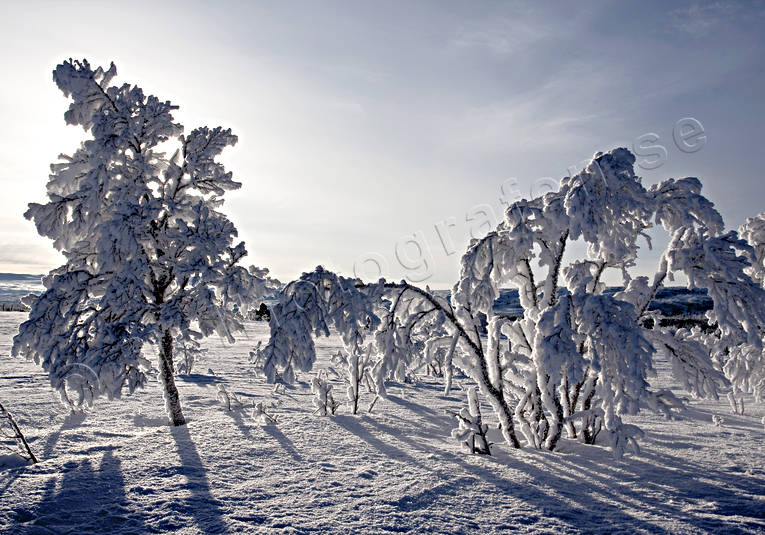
[670, 488]
[205, 508]
[429, 423]
[71, 421]
[585, 492]
[590, 488]
[440, 418]
[200, 379]
[82, 499]
[731, 421]
[236, 416]
[283, 441]
[353, 424]
[450, 482]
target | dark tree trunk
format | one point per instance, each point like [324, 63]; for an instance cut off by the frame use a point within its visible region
[555, 437]
[167, 377]
[589, 431]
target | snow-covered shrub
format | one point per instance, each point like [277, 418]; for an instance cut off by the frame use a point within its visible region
[745, 364]
[753, 231]
[581, 356]
[229, 399]
[578, 359]
[149, 256]
[719, 263]
[323, 399]
[189, 354]
[310, 306]
[471, 432]
[261, 415]
[11, 437]
[358, 372]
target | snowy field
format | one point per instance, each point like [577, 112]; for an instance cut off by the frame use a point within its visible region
[120, 469]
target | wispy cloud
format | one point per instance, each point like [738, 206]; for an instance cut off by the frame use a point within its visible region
[501, 37]
[700, 20]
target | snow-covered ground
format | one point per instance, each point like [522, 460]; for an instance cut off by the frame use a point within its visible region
[121, 469]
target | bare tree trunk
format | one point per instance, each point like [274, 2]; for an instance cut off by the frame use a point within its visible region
[356, 386]
[167, 377]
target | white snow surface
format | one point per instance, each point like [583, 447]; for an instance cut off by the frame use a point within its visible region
[120, 468]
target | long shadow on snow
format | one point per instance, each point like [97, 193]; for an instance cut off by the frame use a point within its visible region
[271, 429]
[449, 485]
[353, 425]
[71, 421]
[731, 421]
[681, 481]
[586, 472]
[283, 441]
[205, 509]
[236, 416]
[597, 489]
[668, 474]
[200, 379]
[582, 507]
[85, 501]
[442, 419]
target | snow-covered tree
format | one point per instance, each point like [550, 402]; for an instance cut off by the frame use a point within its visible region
[387, 329]
[149, 256]
[358, 373]
[745, 365]
[310, 306]
[720, 264]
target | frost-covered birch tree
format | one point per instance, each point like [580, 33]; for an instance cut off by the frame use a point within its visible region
[150, 258]
[579, 358]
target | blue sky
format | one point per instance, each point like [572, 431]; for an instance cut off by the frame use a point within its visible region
[363, 125]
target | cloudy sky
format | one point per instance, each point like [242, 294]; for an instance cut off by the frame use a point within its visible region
[363, 127]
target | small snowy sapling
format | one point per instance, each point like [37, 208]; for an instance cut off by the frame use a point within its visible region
[229, 399]
[261, 415]
[471, 432]
[323, 400]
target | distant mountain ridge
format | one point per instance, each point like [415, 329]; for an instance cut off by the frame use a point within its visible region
[673, 301]
[14, 286]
